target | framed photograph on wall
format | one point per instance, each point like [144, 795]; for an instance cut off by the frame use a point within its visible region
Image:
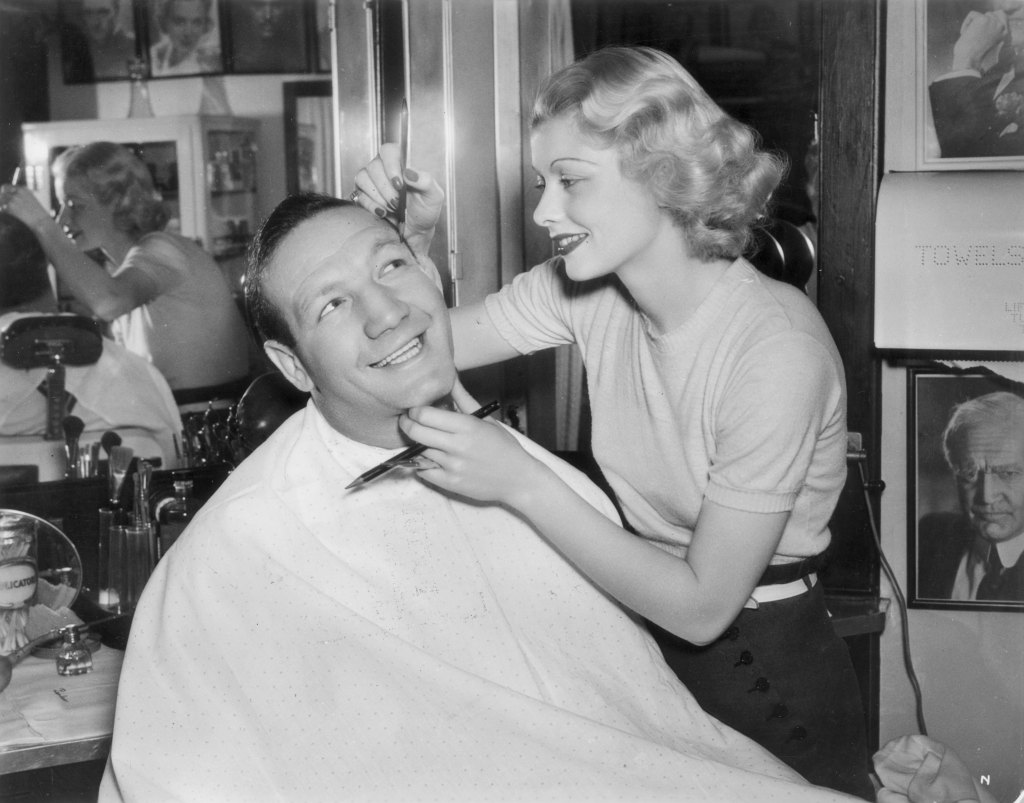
[965, 463]
[956, 98]
[268, 36]
[99, 39]
[309, 137]
[184, 38]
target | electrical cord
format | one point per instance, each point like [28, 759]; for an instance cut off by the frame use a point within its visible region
[901, 601]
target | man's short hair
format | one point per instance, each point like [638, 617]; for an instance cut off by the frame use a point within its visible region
[264, 317]
[1001, 406]
[23, 273]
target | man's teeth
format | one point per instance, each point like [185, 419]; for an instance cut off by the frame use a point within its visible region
[407, 352]
[567, 243]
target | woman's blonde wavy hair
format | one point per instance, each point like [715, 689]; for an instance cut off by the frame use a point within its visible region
[114, 175]
[703, 166]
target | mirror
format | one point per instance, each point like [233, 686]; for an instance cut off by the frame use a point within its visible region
[759, 60]
[309, 137]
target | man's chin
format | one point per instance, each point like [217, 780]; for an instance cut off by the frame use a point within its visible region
[994, 533]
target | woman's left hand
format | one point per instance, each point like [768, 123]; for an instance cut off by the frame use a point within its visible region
[470, 457]
[23, 204]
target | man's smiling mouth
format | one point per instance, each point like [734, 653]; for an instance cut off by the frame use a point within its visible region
[405, 353]
[565, 243]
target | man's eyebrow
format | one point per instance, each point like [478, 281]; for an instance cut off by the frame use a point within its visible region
[390, 237]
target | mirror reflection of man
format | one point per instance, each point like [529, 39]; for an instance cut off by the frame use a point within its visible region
[120, 391]
[110, 46]
[976, 555]
[978, 106]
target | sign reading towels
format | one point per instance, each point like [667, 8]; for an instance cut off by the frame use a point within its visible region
[949, 262]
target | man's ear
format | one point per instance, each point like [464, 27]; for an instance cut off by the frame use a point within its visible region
[289, 364]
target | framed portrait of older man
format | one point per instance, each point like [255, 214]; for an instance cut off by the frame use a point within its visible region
[269, 36]
[99, 39]
[966, 490]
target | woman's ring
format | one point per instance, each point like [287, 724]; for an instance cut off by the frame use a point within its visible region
[354, 197]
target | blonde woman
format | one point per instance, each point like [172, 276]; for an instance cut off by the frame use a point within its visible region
[718, 398]
[164, 296]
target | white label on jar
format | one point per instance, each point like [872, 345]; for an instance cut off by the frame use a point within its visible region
[17, 582]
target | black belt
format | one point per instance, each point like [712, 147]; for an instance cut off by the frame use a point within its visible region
[788, 572]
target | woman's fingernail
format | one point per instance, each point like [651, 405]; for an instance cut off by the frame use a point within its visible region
[411, 175]
[379, 212]
[397, 183]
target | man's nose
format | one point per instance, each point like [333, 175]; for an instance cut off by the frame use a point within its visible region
[384, 311]
[985, 490]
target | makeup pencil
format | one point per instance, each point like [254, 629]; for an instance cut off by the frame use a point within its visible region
[409, 453]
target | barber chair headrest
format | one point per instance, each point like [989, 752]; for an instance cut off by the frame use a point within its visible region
[40, 341]
[784, 252]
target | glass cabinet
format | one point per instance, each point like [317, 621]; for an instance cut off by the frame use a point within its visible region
[204, 166]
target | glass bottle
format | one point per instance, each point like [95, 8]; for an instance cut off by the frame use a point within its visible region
[139, 105]
[74, 656]
[175, 512]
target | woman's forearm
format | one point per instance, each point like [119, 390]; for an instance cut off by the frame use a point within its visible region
[652, 582]
[102, 294]
[477, 342]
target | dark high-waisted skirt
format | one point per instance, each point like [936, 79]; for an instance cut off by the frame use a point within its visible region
[781, 676]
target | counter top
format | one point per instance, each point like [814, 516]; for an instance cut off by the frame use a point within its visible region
[48, 719]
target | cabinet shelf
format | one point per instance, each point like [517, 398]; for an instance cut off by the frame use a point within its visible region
[219, 193]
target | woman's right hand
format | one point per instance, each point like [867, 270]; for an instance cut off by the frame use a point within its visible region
[22, 203]
[377, 187]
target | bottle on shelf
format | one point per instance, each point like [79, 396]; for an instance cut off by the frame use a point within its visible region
[138, 104]
[173, 513]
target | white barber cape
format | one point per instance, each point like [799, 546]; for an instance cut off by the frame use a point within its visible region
[305, 643]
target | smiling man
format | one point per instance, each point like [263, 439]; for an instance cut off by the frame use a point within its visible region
[352, 318]
[305, 642]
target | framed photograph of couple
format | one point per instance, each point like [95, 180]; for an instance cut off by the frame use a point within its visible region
[956, 97]
[965, 463]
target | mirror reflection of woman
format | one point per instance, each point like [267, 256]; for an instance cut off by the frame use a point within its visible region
[718, 398]
[164, 296]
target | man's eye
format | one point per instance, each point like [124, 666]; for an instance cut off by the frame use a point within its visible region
[1008, 474]
[330, 306]
[968, 476]
[393, 265]
[539, 184]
